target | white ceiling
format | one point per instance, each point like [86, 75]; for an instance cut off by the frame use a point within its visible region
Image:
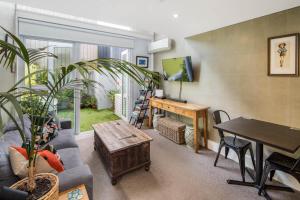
[195, 16]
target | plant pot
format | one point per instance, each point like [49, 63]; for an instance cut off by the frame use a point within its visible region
[52, 194]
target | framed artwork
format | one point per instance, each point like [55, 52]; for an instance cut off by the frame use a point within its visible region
[142, 61]
[283, 56]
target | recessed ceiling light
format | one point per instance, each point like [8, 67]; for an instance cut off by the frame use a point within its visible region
[175, 15]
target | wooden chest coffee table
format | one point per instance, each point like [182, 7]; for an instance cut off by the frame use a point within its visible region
[122, 147]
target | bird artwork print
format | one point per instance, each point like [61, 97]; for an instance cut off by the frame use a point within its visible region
[282, 52]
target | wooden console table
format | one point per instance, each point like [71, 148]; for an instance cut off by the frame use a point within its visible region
[186, 109]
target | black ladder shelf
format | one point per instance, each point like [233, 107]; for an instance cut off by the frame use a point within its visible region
[141, 105]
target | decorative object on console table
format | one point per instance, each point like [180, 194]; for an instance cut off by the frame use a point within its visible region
[142, 61]
[159, 94]
[171, 129]
[76, 193]
[122, 147]
[283, 57]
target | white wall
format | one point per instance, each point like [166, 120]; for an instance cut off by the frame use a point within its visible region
[140, 49]
[7, 17]
[107, 83]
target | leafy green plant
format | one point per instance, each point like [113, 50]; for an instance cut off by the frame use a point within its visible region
[65, 99]
[88, 101]
[26, 104]
[41, 78]
[58, 80]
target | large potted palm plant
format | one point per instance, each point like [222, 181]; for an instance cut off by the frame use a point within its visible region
[58, 80]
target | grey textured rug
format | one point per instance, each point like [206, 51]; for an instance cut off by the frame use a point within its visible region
[176, 173]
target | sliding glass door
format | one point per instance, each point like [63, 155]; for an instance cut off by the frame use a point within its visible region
[63, 105]
[124, 91]
[69, 102]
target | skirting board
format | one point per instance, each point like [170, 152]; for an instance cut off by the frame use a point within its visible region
[279, 176]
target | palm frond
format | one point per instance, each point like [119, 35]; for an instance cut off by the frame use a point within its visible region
[37, 54]
[12, 99]
[10, 51]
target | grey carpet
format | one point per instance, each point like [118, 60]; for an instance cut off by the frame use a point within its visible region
[176, 173]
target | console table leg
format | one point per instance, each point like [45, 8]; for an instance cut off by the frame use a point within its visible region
[150, 116]
[195, 124]
[204, 118]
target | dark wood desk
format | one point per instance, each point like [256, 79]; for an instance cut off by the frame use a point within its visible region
[262, 133]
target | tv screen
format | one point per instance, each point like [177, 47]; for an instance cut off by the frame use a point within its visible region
[178, 69]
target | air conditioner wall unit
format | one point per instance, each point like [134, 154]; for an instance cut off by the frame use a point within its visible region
[160, 45]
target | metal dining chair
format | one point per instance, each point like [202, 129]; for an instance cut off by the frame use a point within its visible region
[277, 161]
[239, 146]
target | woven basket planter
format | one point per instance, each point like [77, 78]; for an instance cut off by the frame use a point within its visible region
[53, 194]
[171, 129]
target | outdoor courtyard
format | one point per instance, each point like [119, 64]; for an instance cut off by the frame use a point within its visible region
[89, 116]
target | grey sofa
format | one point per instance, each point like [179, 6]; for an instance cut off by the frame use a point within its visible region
[75, 173]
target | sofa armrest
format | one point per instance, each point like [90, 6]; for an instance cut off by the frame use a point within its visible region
[76, 176]
[65, 123]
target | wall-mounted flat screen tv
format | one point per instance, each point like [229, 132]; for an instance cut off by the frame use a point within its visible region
[178, 69]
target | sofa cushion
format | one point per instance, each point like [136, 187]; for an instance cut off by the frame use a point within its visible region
[68, 179]
[46, 162]
[48, 133]
[70, 157]
[4, 147]
[12, 138]
[7, 176]
[64, 139]
[10, 126]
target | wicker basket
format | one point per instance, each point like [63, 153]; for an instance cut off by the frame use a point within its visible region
[171, 129]
[53, 194]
